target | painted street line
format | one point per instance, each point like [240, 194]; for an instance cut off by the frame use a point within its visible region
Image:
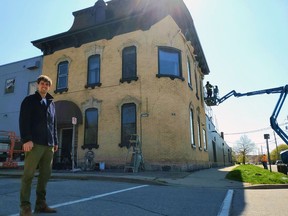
[93, 197]
[226, 205]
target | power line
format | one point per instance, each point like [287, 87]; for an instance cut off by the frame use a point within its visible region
[252, 131]
[270, 141]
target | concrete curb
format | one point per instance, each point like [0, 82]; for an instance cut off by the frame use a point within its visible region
[72, 176]
[112, 178]
[141, 178]
[267, 186]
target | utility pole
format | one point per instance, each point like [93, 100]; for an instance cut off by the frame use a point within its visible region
[267, 136]
[261, 150]
[74, 122]
[276, 146]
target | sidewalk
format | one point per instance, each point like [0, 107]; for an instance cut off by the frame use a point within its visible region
[213, 177]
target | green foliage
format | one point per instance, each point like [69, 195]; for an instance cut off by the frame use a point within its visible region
[256, 175]
[273, 154]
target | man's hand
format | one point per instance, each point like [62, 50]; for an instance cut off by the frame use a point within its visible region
[28, 146]
[55, 148]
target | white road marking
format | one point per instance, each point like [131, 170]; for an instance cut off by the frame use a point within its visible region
[93, 197]
[226, 205]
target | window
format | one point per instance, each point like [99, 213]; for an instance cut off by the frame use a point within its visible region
[32, 87]
[199, 133]
[128, 123]
[62, 77]
[189, 72]
[201, 92]
[169, 63]
[93, 76]
[204, 139]
[91, 128]
[9, 85]
[192, 128]
[129, 66]
[196, 81]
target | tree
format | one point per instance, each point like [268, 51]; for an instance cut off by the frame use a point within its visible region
[243, 147]
[273, 154]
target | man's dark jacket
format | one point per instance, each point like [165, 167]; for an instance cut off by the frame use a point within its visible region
[37, 122]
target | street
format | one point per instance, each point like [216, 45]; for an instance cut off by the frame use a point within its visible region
[200, 193]
[89, 197]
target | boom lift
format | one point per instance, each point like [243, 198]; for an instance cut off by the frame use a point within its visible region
[283, 91]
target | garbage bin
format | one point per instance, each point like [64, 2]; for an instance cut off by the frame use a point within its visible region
[282, 168]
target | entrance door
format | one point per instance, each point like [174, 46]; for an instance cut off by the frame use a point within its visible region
[65, 149]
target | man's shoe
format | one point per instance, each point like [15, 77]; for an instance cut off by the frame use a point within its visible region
[43, 208]
[25, 211]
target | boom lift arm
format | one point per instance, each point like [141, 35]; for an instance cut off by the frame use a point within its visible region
[283, 90]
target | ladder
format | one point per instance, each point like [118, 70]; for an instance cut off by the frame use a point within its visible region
[134, 157]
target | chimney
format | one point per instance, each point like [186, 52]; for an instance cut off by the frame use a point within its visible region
[100, 11]
[222, 135]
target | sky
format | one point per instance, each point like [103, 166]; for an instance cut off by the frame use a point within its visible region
[245, 44]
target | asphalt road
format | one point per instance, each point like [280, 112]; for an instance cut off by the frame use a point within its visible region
[199, 193]
[90, 197]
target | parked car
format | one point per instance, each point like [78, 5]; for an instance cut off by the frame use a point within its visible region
[278, 162]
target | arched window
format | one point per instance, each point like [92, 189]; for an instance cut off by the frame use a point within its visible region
[129, 66]
[62, 77]
[204, 139]
[189, 72]
[91, 128]
[199, 132]
[192, 128]
[93, 73]
[128, 122]
[196, 81]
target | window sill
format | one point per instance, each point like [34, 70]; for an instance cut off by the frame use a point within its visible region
[60, 91]
[128, 80]
[193, 146]
[92, 86]
[121, 145]
[90, 146]
[172, 77]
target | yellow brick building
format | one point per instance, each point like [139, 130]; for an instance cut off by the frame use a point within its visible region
[130, 67]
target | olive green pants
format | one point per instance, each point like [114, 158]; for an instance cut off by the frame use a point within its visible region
[39, 157]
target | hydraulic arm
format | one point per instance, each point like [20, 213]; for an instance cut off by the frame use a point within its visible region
[283, 91]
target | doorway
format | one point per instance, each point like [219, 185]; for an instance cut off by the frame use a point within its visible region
[214, 152]
[63, 157]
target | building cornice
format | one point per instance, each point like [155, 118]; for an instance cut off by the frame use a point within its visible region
[89, 24]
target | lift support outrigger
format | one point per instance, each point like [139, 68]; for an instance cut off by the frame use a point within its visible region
[283, 91]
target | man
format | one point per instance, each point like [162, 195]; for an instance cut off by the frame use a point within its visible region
[38, 132]
[264, 161]
[209, 88]
[215, 92]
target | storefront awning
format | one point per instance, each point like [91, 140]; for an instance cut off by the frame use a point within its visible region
[65, 110]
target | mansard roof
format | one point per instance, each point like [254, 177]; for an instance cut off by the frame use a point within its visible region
[116, 17]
